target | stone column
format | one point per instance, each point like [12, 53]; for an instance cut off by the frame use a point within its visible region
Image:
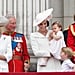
[69, 11]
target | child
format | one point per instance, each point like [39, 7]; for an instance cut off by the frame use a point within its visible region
[56, 40]
[67, 65]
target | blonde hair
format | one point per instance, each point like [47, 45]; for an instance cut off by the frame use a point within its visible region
[68, 51]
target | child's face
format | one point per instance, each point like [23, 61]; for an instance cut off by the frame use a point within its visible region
[55, 28]
[63, 55]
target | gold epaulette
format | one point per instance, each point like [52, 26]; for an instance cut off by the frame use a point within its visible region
[8, 33]
[72, 30]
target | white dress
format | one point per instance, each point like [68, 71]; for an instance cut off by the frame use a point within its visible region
[40, 47]
[56, 45]
[67, 66]
[5, 50]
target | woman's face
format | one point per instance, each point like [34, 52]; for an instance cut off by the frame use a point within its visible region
[42, 26]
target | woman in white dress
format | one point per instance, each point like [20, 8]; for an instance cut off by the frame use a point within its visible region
[40, 43]
[5, 47]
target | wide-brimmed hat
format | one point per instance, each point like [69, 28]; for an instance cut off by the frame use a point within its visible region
[42, 16]
[3, 21]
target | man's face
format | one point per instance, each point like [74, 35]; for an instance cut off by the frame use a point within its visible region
[12, 25]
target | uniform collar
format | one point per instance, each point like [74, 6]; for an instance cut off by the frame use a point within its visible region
[9, 33]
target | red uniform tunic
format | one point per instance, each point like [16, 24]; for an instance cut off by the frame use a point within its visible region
[20, 53]
[71, 40]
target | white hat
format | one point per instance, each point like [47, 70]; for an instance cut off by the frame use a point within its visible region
[42, 16]
[3, 21]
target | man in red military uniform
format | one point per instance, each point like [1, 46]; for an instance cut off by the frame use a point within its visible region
[71, 38]
[21, 58]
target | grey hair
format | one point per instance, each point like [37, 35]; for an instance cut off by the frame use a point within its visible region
[9, 16]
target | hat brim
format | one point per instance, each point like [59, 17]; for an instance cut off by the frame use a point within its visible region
[46, 15]
[2, 24]
[3, 21]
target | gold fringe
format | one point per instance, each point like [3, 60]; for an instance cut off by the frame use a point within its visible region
[72, 30]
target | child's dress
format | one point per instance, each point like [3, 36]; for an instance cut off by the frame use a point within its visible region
[56, 45]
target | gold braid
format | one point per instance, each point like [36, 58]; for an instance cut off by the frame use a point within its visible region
[72, 30]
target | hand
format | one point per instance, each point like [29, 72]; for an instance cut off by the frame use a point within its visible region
[50, 36]
[26, 67]
[54, 34]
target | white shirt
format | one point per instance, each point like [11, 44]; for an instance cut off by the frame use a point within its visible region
[5, 50]
[67, 66]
